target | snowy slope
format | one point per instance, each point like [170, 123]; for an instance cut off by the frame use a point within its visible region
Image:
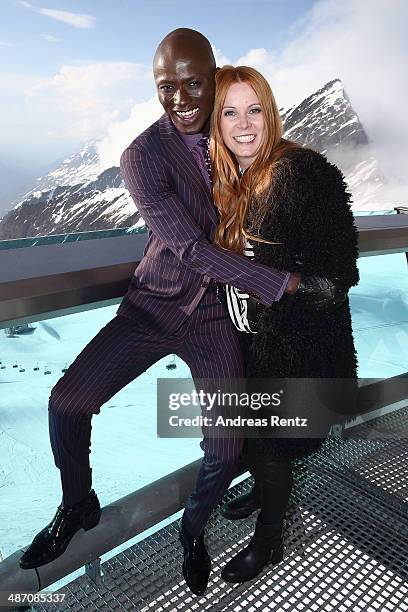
[98, 204]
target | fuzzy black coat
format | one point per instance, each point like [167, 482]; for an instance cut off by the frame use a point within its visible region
[309, 212]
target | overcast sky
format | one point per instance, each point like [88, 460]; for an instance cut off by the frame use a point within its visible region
[76, 70]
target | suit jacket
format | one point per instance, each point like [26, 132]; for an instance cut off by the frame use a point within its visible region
[179, 260]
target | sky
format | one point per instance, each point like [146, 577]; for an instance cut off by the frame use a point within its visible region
[78, 70]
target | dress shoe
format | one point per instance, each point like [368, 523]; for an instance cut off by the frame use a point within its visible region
[53, 540]
[265, 547]
[197, 562]
[241, 507]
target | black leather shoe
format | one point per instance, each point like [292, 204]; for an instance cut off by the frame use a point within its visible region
[241, 506]
[53, 540]
[197, 562]
[266, 547]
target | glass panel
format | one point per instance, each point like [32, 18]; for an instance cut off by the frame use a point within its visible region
[363, 213]
[74, 237]
[126, 454]
[379, 306]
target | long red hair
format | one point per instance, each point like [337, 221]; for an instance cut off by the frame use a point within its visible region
[230, 191]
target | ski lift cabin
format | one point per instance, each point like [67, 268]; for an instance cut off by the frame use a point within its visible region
[19, 330]
[172, 364]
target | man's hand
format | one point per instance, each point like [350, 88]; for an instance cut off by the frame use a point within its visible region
[321, 292]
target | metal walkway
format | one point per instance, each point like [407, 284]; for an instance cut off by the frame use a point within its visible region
[346, 543]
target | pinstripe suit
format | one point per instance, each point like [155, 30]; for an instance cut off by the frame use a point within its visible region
[170, 307]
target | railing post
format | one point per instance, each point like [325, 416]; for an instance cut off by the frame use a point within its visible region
[402, 210]
[93, 570]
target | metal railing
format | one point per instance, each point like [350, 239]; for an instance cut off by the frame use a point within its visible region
[58, 279]
[402, 210]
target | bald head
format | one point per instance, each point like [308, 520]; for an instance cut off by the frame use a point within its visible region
[183, 40]
[184, 71]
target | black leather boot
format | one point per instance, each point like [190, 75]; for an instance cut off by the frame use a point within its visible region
[242, 506]
[265, 547]
[197, 562]
[53, 540]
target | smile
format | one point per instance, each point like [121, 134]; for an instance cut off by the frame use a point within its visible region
[246, 138]
[187, 114]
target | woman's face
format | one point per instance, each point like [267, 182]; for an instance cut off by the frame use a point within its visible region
[242, 123]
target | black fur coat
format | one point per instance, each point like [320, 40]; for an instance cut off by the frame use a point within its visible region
[309, 212]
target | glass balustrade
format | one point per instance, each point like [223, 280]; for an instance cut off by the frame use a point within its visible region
[379, 307]
[126, 453]
[109, 233]
[18, 243]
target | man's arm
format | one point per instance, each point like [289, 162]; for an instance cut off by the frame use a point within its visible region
[145, 176]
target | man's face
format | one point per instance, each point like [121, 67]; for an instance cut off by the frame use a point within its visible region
[186, 86]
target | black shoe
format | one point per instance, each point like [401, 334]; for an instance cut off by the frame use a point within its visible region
[53, 540]
[265, 547]
[242, 506]
[197, 562]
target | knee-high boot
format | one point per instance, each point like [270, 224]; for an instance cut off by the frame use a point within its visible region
[266, 545]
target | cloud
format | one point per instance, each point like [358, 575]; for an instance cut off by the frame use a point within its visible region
[15, 84]
[50, 38]
[220, 58]
[3, 43]
[82, 101]
[366, 47]
[121, 133]
[77, 20]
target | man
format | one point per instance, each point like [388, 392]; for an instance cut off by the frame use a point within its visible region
[171, 306]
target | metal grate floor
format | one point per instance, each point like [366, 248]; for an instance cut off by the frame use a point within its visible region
[346, 543]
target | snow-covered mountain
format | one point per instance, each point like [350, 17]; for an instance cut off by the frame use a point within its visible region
[94, 205]
[79, 168]
[327, 122]
[80, 195]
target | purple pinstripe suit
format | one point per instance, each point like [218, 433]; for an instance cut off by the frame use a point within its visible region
[170, 307]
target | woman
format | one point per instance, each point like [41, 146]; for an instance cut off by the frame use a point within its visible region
[290, 206]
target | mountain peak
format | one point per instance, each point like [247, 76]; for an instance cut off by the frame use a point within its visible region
[325, 120]
[76, 169]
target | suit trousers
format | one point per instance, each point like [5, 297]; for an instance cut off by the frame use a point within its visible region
[210, 345]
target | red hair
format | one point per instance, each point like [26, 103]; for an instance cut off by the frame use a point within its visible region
[231, 192]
